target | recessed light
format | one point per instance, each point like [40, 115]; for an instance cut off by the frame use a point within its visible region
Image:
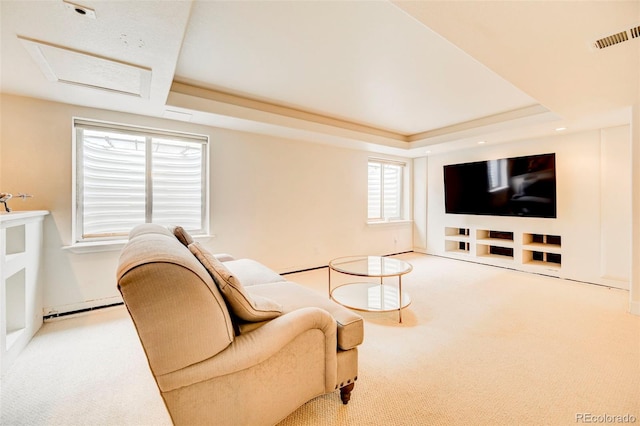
[560, 129]
[481, 142]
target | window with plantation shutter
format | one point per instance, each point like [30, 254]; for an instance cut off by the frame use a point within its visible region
[385, 190]
[126, 176]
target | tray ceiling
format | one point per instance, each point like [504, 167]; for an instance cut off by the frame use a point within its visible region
[399, 76]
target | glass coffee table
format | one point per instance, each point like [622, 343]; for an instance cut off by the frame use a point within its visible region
[371, 296]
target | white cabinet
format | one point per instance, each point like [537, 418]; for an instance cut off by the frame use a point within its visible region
[20, 289]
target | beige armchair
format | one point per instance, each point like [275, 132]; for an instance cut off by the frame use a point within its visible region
[212, 367]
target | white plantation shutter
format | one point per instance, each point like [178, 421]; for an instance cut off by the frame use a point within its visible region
[375, 191]
[177, 183]
[385, 190]
[128, 176]
[392, 179]
[113, 183]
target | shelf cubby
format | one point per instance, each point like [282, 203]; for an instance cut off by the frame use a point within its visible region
[15, 306]
[553, 242]
[542, 258]
[456, 232]
[15, 240]
[494, 251]
[457, 246]
[495, 238]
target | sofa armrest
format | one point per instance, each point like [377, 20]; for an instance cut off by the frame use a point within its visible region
[294, 296]
[250, 349]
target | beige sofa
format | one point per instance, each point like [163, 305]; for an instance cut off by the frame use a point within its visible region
[230, 342]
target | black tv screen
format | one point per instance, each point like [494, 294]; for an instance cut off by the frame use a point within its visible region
[520, 186]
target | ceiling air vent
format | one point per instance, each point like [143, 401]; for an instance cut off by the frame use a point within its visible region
[611, 40]
[620, 37]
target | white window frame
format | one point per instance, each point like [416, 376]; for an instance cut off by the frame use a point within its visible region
[401, 191]
[78, 124]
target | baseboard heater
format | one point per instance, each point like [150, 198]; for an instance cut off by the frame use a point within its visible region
[80, 311]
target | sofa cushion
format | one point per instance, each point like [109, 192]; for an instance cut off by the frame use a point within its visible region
[246, 307]
[249, 272]
[293, 296]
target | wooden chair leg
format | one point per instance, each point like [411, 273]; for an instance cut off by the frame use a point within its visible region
[345, 392]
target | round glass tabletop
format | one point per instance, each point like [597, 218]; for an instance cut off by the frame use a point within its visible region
[371, 266]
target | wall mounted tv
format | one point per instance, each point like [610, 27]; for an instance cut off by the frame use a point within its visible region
[520, 186]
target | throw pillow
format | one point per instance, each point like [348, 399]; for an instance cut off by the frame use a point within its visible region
[245, 307]
[182, 235]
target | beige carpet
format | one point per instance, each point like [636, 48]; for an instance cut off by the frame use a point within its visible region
[479, 345]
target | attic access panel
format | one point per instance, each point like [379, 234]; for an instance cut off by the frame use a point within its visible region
[69, 66]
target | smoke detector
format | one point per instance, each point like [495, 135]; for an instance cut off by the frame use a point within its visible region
[620, 37]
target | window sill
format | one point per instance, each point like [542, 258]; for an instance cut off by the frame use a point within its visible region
[390, 222]
[95, 246]
[113, 245]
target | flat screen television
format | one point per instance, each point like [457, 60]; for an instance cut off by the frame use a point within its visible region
[519, 186]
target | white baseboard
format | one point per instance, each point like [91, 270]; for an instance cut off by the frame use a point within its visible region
[634, 308]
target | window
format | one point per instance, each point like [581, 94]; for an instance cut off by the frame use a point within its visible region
[385, 190]
[126, 176]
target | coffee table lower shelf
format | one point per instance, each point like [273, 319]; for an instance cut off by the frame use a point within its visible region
[370, 297]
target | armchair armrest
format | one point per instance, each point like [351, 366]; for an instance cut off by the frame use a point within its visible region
[252, 348]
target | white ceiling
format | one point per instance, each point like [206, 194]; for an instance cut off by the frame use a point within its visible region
[394, 77]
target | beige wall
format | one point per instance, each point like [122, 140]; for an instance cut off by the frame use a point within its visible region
[294, 205]
[288, 204]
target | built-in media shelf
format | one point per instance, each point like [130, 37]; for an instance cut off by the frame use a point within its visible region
[528, 251]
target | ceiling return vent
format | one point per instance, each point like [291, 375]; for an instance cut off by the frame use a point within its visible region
[620, 37]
